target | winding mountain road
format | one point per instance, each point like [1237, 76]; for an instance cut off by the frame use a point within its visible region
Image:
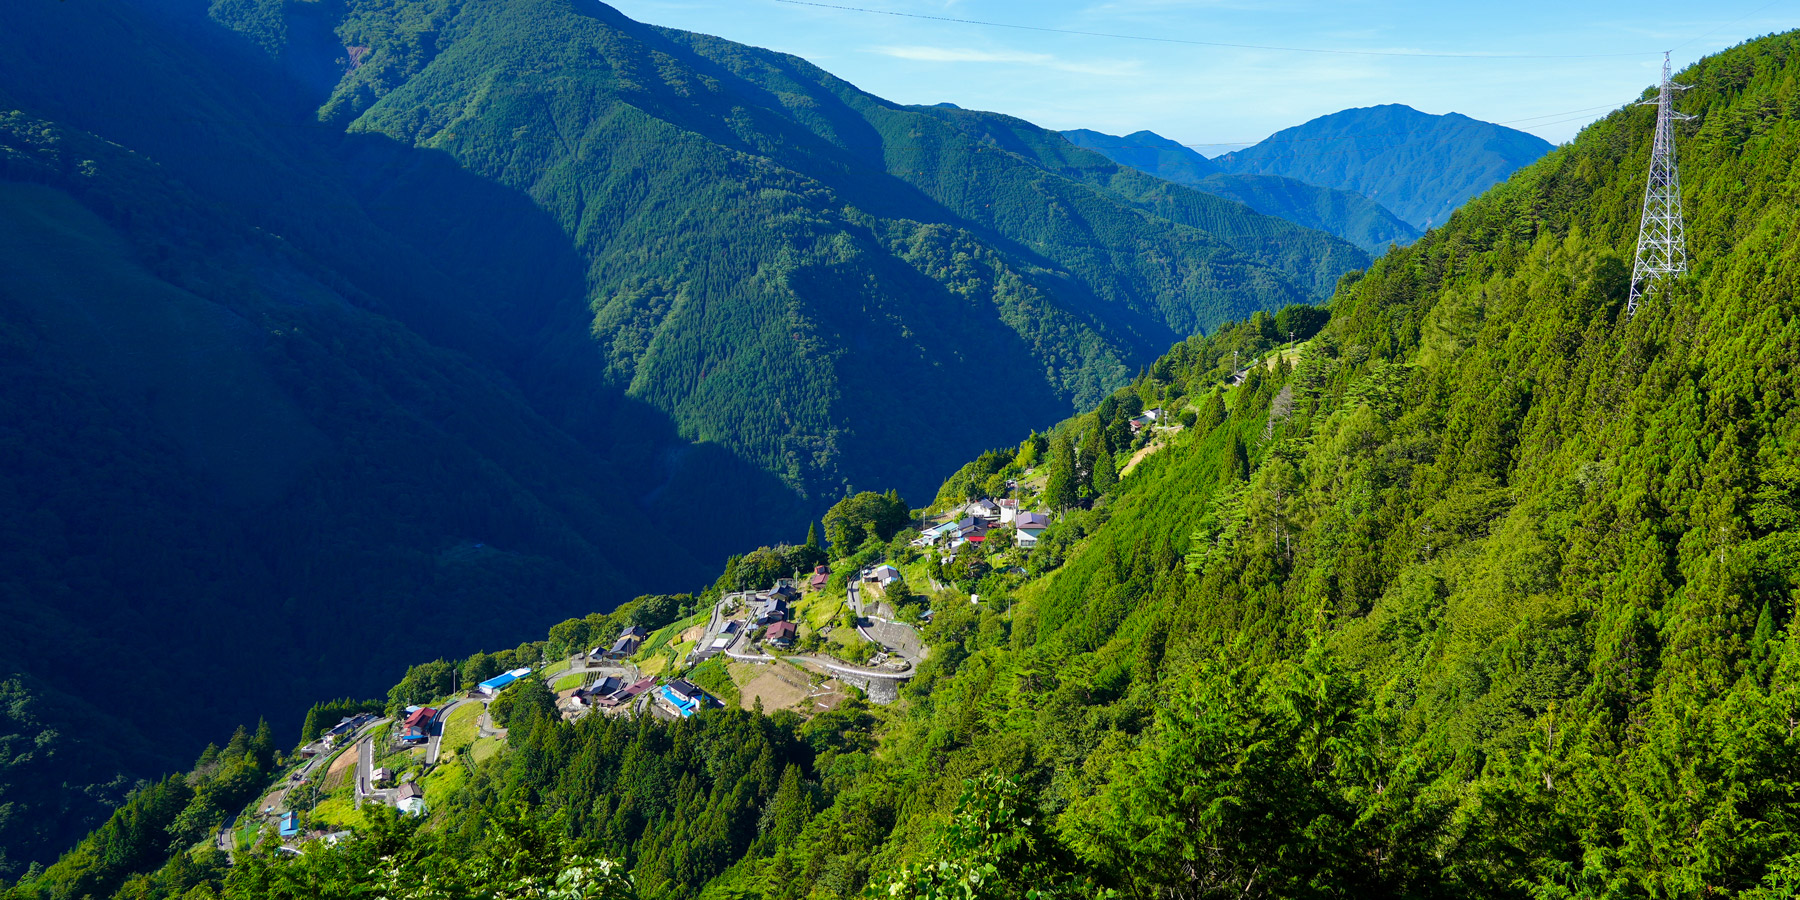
[365, 766]
[436, 740]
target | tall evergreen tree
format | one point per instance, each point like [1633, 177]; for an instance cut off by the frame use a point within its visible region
[1093, 447]
[1105, 473]
[1061, 483]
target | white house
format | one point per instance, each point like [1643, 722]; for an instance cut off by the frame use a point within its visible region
[410, 799]
[884, 574]
[1030, 525]
[984, 509]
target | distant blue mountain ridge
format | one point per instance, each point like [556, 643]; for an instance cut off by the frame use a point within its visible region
[1346, 214]
[1418, 165]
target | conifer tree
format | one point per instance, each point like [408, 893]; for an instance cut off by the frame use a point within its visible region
[1060, 486]
[1093, 447]
[1105, 475]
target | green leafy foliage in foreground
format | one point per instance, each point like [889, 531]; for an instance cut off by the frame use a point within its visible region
[143, 849]
[1485, 592]
[521, 859]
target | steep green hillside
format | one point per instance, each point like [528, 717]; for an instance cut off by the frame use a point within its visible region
[226, 486]
[1351, 216]
[1419, 165]
[787, 265]
[1483, 590]
[253, 437]
[357, 325]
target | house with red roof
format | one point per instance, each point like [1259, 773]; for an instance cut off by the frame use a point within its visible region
[781, 634]
[416, 727]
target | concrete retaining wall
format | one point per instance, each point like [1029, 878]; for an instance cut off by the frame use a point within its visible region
[881, 688]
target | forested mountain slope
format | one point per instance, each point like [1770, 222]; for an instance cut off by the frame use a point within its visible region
[1484, 590]
[1488, 593]
[1420, 166]
[360, 323]
[252, 434]
[1147, 151]
[787, 265]
[1348, 215]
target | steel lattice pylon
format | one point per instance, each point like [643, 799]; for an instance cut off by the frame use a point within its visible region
[1662, 243]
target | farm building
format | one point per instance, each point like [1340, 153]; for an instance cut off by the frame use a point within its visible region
[499, 682]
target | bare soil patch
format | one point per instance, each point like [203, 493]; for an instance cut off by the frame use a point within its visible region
[1138, 457]
[774, 691]
[340, 768]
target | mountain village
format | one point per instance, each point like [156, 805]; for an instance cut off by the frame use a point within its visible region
[802, 644]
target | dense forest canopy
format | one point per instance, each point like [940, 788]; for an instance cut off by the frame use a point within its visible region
[1484, 589]
[341, 326]
[789, 266]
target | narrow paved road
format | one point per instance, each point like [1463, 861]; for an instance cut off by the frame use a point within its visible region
[437, 732]
[895, 637]
[365, 766]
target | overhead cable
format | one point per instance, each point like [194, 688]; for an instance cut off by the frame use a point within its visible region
[1410, 54]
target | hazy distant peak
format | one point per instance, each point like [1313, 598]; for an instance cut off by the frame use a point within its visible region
[1420, 165]
[1346, 214]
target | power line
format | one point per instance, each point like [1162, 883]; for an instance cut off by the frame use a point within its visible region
[688, 137]
[1198, 43]
[1720, 28]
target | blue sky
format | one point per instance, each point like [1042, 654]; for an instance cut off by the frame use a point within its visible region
[1221, 97]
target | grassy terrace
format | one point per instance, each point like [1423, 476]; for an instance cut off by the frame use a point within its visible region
[247, 832]
[337, 810]
[816, 611]
[663, 636]
[459, 729]
[664, 649]
[444, 779]
[484, 748]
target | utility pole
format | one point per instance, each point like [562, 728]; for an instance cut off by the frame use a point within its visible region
[1662, 242]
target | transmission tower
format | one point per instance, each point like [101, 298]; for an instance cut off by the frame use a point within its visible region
[1662, 243]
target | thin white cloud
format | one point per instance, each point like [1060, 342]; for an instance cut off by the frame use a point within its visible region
[926, 53]
[959, 54]
[1134, 8]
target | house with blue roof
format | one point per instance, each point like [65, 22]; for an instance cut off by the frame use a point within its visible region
[683, 698]
[499, 682]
